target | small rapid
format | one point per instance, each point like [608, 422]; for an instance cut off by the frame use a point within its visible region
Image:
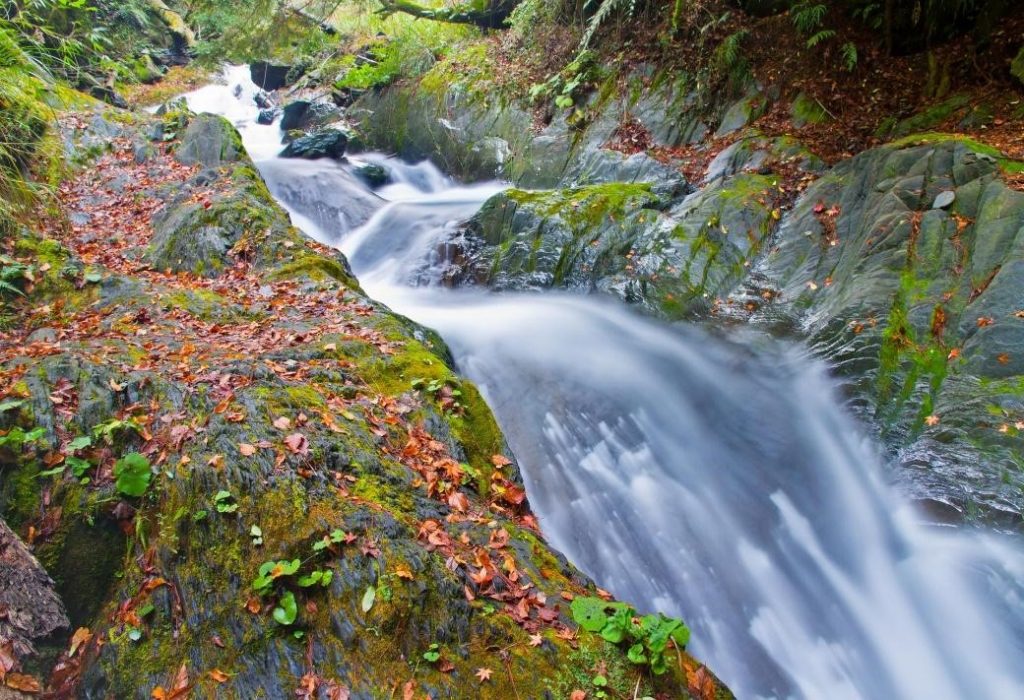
[714, 478]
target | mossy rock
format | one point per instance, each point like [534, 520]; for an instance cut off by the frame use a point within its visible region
[210, 141]
[807, 110]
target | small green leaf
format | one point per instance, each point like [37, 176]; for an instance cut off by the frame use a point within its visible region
[636, 654]
[368, 598]
[52, 472]
[132, 474]
[78, 466]
[286, 610]
[599, 681]
[12, 404]
[79, 443]
[588, 612]
[145, 610]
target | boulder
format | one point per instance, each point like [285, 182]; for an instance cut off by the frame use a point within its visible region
[209, 141]
[324, 143]
[273, 76]
[373, 174]
[307, 114]
[267, 116]
[262, 100]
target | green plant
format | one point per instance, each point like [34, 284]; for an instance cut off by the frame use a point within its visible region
[14, 275]
[16, 438]
[224, 502]
[132, 474]
[850, 57]
[647, 637]
[108, 429]
[433, 654]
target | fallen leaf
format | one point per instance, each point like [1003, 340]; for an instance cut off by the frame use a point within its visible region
[578, 695]
[282, 423]
[297, 443]
[26, 684]
[246, 449]
[408, 689]
[403, 571]
[484, 674]
[536, 640]
[932, 420]
[219, 676]
[81, 636]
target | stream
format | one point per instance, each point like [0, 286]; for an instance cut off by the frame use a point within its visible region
[708, 475]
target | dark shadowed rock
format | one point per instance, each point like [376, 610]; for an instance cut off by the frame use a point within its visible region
[306, 114]
[325, 143]
[272, 76]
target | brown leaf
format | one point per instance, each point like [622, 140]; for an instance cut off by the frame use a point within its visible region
[484, 674]
[408, 689]
[282, 423]
[500, 461]
[403, 571]
[578, 695]
[253, 605]
[459, 501]
[26, 684]
[246, 449]
[219, 676]
[297, 443]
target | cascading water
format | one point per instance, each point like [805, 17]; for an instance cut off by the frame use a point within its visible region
[719, 480]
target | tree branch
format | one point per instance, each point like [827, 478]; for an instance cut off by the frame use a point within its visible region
[490, 14]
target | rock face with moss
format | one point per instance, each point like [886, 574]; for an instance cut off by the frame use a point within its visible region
[903, 266]
[250, 479]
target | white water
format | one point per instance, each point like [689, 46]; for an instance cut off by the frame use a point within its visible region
[715, 480]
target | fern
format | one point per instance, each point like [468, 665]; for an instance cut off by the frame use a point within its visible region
[820, 36]
[603, 12]
[807, 16]
[850, 57]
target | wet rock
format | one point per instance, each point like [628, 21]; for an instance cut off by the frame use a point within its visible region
[919, 256]
[266, 117]
[373, 174]
[323, 143]
[262, 100]
[306, 114]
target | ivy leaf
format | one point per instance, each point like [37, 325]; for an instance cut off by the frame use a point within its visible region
[286, 610]
[132, 474]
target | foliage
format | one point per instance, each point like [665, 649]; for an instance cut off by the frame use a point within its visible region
[13, 276]
[647, 637]
[132, 474]
[17, 437]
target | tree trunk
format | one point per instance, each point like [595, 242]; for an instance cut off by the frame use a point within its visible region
[30, 609]
[490, 16]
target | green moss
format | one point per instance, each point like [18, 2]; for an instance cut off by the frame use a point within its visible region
[588, 205]
[927, 119]
[1006, 164]
[316, 268]
[807, 110]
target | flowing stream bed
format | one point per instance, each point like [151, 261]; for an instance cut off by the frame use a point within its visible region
[716, 479]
